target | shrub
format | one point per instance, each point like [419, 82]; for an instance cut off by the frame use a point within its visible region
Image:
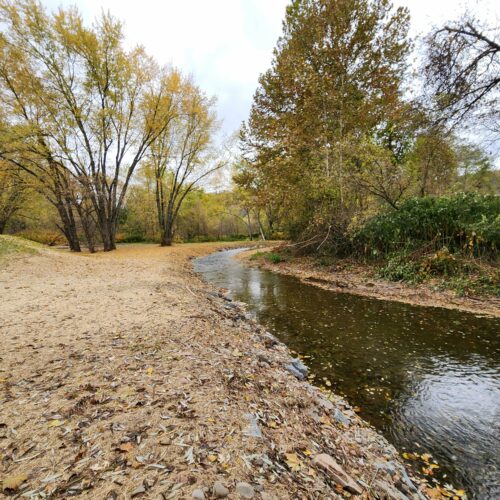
[400, 268]
[275, 258]
[46, 237]
[441, 262]
[467, 223]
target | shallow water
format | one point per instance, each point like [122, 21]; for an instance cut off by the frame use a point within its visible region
[427, 378]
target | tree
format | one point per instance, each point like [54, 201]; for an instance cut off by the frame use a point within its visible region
[463, 69]
[89, 109]
[182, 154]
[433, 163]
[375, 171]
[474, 169]
[12, 193]
[335, 77]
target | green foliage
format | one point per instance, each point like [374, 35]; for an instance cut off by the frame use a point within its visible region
[275, 258]
[399, 268]
[10, 245]
[482, 284]
[466, 223]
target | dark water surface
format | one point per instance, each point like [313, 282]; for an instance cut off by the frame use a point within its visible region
[427, 378]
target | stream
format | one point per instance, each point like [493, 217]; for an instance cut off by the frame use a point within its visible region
[427, 378]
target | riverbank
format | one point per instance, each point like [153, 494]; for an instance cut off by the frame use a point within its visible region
[123, 375]
[358, 279]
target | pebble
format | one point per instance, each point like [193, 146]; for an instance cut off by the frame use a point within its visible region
[138, 491]
[244, 490]
[198, 495]
[253, 430]
[298, 369]
[219, 490]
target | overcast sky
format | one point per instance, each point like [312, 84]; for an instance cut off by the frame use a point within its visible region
[226, 44]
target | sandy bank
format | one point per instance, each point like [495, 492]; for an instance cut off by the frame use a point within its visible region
[123, 375]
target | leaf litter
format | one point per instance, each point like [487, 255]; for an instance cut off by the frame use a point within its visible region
[125, 376]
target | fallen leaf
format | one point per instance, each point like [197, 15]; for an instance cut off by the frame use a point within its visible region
[212, 458]
[325, 420]
[13, 482]
[293, 461]
[56, 423]
[126, 447]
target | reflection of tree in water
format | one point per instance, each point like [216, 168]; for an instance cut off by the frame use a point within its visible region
[408, 368]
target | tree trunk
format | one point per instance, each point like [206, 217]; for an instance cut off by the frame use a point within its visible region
[261, 229]
[249, 226]
[68, 225]
[167, 231]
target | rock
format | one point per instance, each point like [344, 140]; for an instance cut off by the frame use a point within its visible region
[389, 492]
[337, 473]
[325, 404]
[390, 467]
[244, 490]
[198, 495]
[219, 490]
[253, 430]
[270, 340]
[265, 359]
[138, 491]
[298, 369]
[340, 417]
[407, 482]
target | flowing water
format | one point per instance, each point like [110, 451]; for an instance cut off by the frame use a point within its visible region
[427, 378]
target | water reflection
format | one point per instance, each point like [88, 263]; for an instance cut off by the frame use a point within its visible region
[428, 378]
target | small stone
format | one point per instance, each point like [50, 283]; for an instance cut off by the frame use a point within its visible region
[253, 429]
[219, 490]
[298, 369]
[341, 418]
[138, 491]
[337, 473]
[244, 490]
[198, 495]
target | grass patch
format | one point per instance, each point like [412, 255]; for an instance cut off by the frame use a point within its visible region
[10, 246]
[273, 257]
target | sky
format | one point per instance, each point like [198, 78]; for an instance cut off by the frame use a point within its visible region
[226, 44]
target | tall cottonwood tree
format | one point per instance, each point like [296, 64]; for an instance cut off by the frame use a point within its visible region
[89, 109]
[182, 154]
[463, 70]
[334, 81]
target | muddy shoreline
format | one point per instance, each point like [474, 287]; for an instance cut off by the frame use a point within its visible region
[358, 281]
[124, 376]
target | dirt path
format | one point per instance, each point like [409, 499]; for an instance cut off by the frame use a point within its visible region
[122, 375]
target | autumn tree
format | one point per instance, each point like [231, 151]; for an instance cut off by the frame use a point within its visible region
[12, 193]
[463, 70]
[88, 108]
[335, 76]
[433, 163]
[183, 153]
